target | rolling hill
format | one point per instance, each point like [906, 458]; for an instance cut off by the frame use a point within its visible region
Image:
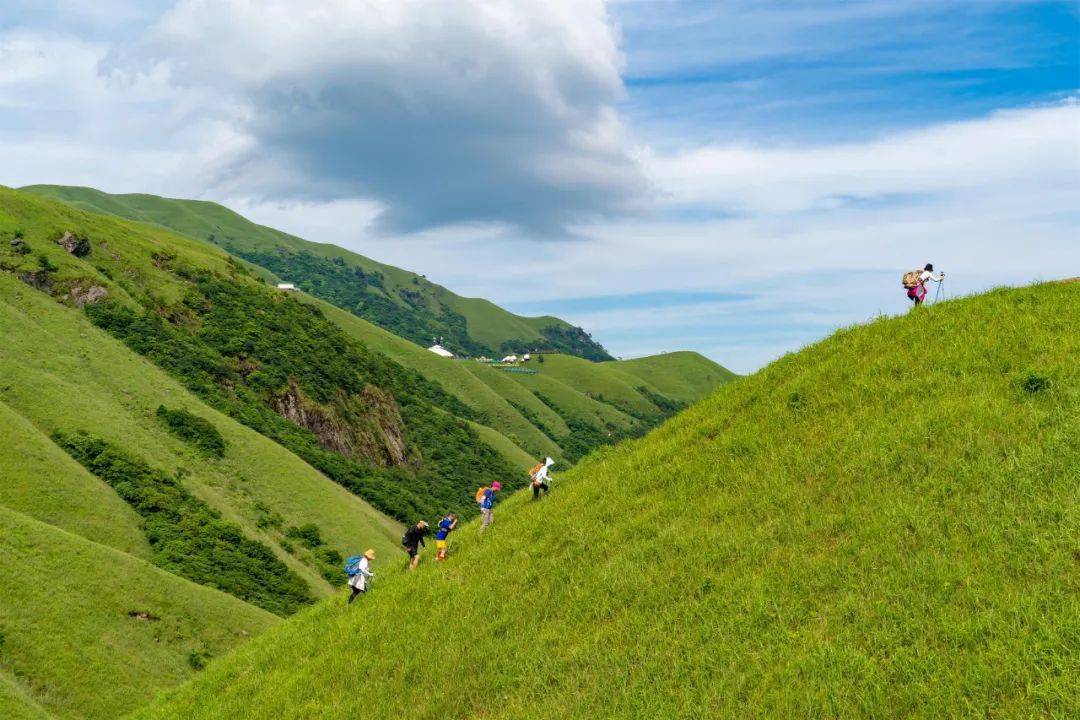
[396, 299]
[494, 400]
[167, 423]
[881, 525]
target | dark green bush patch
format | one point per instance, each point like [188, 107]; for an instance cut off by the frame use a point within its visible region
[1034, 383]
[187, 536]
[196, 430]
[198, 659]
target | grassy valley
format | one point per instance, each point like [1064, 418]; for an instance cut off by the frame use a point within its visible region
[881, 525]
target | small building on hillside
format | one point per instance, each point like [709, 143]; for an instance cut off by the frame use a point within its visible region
[286, 286]
[440, 351]
[526, 357]
[509, 359]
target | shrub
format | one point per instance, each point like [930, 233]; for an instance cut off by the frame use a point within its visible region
[187, 536]
[196, 430]
[1034, 383]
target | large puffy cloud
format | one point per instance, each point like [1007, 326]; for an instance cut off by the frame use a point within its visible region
[461, 111]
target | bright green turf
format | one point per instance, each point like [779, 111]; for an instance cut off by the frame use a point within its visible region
[17, 704]
[677, 375]
[605, 381]
[572, 402]
[882, 525]
[69, 639]
[42, 481]
[487, 322]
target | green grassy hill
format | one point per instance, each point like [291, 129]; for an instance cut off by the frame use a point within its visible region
[164, 276]
[881, 525]
[91, 632]
[677, 375]
[391, 297]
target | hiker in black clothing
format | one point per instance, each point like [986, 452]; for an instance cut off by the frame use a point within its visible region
[413, 540]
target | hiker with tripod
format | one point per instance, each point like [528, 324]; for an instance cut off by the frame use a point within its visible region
[915, 283]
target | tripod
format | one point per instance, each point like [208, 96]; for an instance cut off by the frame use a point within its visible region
[940, 294]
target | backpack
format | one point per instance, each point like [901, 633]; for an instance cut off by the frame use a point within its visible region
[911, 278]
[480, 494]
[535, 470]
[352, 565]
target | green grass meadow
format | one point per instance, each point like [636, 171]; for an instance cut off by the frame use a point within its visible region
[91, 632]
[882, 525]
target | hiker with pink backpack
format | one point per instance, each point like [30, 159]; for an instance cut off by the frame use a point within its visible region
[915, 281]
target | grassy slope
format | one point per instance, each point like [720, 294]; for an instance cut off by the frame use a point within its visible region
[199, 219]
[677, 375]
[68, 636]
[882, 525]
[604, 380]
[40, 480]
[61, 373]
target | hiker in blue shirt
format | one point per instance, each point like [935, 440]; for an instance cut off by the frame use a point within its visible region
[447, 525]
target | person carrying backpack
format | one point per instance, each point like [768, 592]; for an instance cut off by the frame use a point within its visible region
[413, 540]
[540, 479]
[447, 525]
[915, 282]
[486, 498]
[358, 568]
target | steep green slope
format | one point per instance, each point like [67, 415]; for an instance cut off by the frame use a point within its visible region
[882, 525]
[258, 355]
[396, 299]
[61, 373]
[41, 481]
[91, 632]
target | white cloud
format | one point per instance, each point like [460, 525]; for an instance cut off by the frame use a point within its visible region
[456, 111]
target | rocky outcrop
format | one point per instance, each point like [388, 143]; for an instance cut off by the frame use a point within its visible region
[365, 427]
[37, 279]
[77, 245]
[88, 296]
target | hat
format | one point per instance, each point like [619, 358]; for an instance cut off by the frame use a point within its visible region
[496, 485]
[369, 554]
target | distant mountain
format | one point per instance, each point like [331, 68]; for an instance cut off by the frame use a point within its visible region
[401, 301]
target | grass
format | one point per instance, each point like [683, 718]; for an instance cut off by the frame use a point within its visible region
[74, 642]
[882, 525]
[40, 480]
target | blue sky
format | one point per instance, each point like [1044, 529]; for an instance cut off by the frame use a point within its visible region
[738, 177]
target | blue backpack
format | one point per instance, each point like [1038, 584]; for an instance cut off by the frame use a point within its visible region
[352, 565]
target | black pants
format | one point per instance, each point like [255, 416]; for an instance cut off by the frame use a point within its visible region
[538, 488]
[355, 592]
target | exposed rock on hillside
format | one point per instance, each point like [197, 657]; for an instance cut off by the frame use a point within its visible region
[75, 244]
[374, 430]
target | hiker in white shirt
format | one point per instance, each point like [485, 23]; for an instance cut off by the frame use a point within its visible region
[358, 582]
[540, 479]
